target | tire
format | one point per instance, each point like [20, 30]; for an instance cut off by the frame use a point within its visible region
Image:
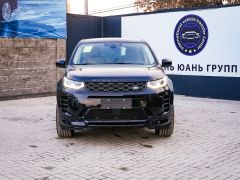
[167, 131]
[5, 10]
[62, 133]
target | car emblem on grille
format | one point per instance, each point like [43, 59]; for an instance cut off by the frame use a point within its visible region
[135, 88]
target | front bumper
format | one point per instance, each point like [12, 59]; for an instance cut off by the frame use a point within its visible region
[78, 123]
[83, 109]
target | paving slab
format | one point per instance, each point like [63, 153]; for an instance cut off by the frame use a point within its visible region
[205, 144]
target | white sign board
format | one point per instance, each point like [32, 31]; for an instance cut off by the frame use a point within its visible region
[200, 42]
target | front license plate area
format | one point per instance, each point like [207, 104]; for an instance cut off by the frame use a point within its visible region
[116, 103]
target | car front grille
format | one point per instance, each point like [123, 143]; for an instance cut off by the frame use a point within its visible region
[115, 86]
[64, 104]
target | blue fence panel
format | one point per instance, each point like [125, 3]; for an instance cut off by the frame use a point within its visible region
[112, 26]
[207, 86]
[81, 27]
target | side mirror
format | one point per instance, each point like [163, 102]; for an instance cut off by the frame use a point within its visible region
[61, 63]
[166, 63]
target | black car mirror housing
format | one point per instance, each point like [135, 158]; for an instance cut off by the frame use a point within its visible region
[61, 63]
[166, 63]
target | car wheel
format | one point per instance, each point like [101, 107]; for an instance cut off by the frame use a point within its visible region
[6, 10]
[62, 133]
[168, 130]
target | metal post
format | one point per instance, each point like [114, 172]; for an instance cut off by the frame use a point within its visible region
[86, 7]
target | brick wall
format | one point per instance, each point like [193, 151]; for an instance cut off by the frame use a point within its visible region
[27, 66]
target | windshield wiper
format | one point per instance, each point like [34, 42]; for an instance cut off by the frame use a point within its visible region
[108, 63]
[126, 63]
[86, 64]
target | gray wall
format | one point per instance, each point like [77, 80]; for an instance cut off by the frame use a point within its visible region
[27, 66]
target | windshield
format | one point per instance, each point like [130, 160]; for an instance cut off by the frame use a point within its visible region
[113, 53]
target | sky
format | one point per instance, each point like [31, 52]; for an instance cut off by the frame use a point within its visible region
[77, 6]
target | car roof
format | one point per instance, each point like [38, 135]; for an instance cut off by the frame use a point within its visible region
[96, 40]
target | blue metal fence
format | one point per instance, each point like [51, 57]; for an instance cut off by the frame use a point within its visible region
[81, 27]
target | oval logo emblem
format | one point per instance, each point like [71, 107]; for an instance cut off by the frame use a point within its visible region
[191, 35]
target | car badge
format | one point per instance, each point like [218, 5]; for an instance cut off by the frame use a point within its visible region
[135, 88]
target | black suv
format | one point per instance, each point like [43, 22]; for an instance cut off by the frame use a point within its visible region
[114, 82]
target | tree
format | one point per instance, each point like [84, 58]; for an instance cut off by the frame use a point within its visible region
[152, 5]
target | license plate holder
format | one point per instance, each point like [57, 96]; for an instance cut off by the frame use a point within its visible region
[116, 103]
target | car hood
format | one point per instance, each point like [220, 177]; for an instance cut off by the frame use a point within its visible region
[114, 73]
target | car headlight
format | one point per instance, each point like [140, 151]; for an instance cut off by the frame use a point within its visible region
[158, 83]
[72, 84]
